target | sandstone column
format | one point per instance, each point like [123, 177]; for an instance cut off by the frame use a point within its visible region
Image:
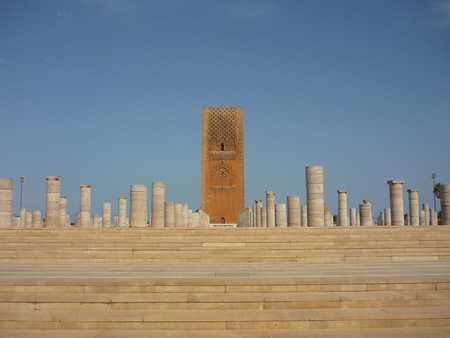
[23, 221]
[263, 217]
[178, 215]
[270, 208]
[36, 219]
[293, 211]
[280, 215]
[138, 205]
[387, 217]
[353, 217]
[63, 212]
[6, 198]
[258, 213]
[169, 214]
[413, 197]
[314, 196]
[158, 189]
[304, 215]
[184, 215]
[433, 217]
[85, 205]
[342, 219]
[122, 213]
[96, 221]
[426, 209]
[396, 198]
[106, 215]
[444, 191]
[364, 214]
[53, 200]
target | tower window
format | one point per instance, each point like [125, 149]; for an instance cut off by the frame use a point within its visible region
[222, 147]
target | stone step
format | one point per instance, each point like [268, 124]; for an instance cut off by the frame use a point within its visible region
[410, 332]
[224, 319]
[221, 301]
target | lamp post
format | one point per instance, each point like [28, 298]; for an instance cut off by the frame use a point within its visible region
[433, 176]
[22, 179]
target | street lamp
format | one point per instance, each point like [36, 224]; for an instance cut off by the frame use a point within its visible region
[433, 176]
[22, 179]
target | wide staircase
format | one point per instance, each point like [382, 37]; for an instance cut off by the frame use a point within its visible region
[225, 282]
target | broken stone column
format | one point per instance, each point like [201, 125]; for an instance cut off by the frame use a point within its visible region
[293, 211]
[178, 215]
[28, 218]
[414, 215]
[85, 205]
[184, 215]
[169, 214]
[106, 215]
[314, 196]
[138, 205]
[426, 210]
[396, 199]
[263, 217]
[36, 219]
[23, 220]
[304, 219]
[158, 190]
[52, 201]
[352, 217]
[387, 217]
[328, 219]
[258, 207]
[122, 213]
[270, 208]
[96, 221]
[444, 192]
[364, 215]
[280, 215]
[342, 219]
[433, 217]
[63, 212]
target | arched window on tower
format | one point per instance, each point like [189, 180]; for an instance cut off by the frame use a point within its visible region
[222, 220]
[222, 146]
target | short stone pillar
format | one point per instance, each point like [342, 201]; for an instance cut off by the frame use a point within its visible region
[426, 210]
[270, 208]
[314, 196]
[352, 217]
[328, 219]
[36, 219]
[63, 212]
[52, 201]
[396, 199]
[169, 214]
[433, 217]
[342, 219]
[158, 191]
[122, 213]
[184, 215]
[263, 217]
[280, 215]
[364, 215]
[28, 218]
[138, 205]
[293, 211]
[304, 219]
[178, 215]
[414, 215]
[6, 201]
[106, 215]
[23, 220]
[387, 217]
[258, 206]
[95, 221]
[85, 205]
[444, 192]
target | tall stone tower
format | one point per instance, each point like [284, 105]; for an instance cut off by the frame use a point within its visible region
[223, 163]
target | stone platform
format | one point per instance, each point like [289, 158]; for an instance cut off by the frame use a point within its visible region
[73, 283]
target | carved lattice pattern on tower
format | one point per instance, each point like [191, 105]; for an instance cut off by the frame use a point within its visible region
[222, 125]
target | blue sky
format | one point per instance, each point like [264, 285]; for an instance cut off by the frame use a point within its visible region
[110, 93]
